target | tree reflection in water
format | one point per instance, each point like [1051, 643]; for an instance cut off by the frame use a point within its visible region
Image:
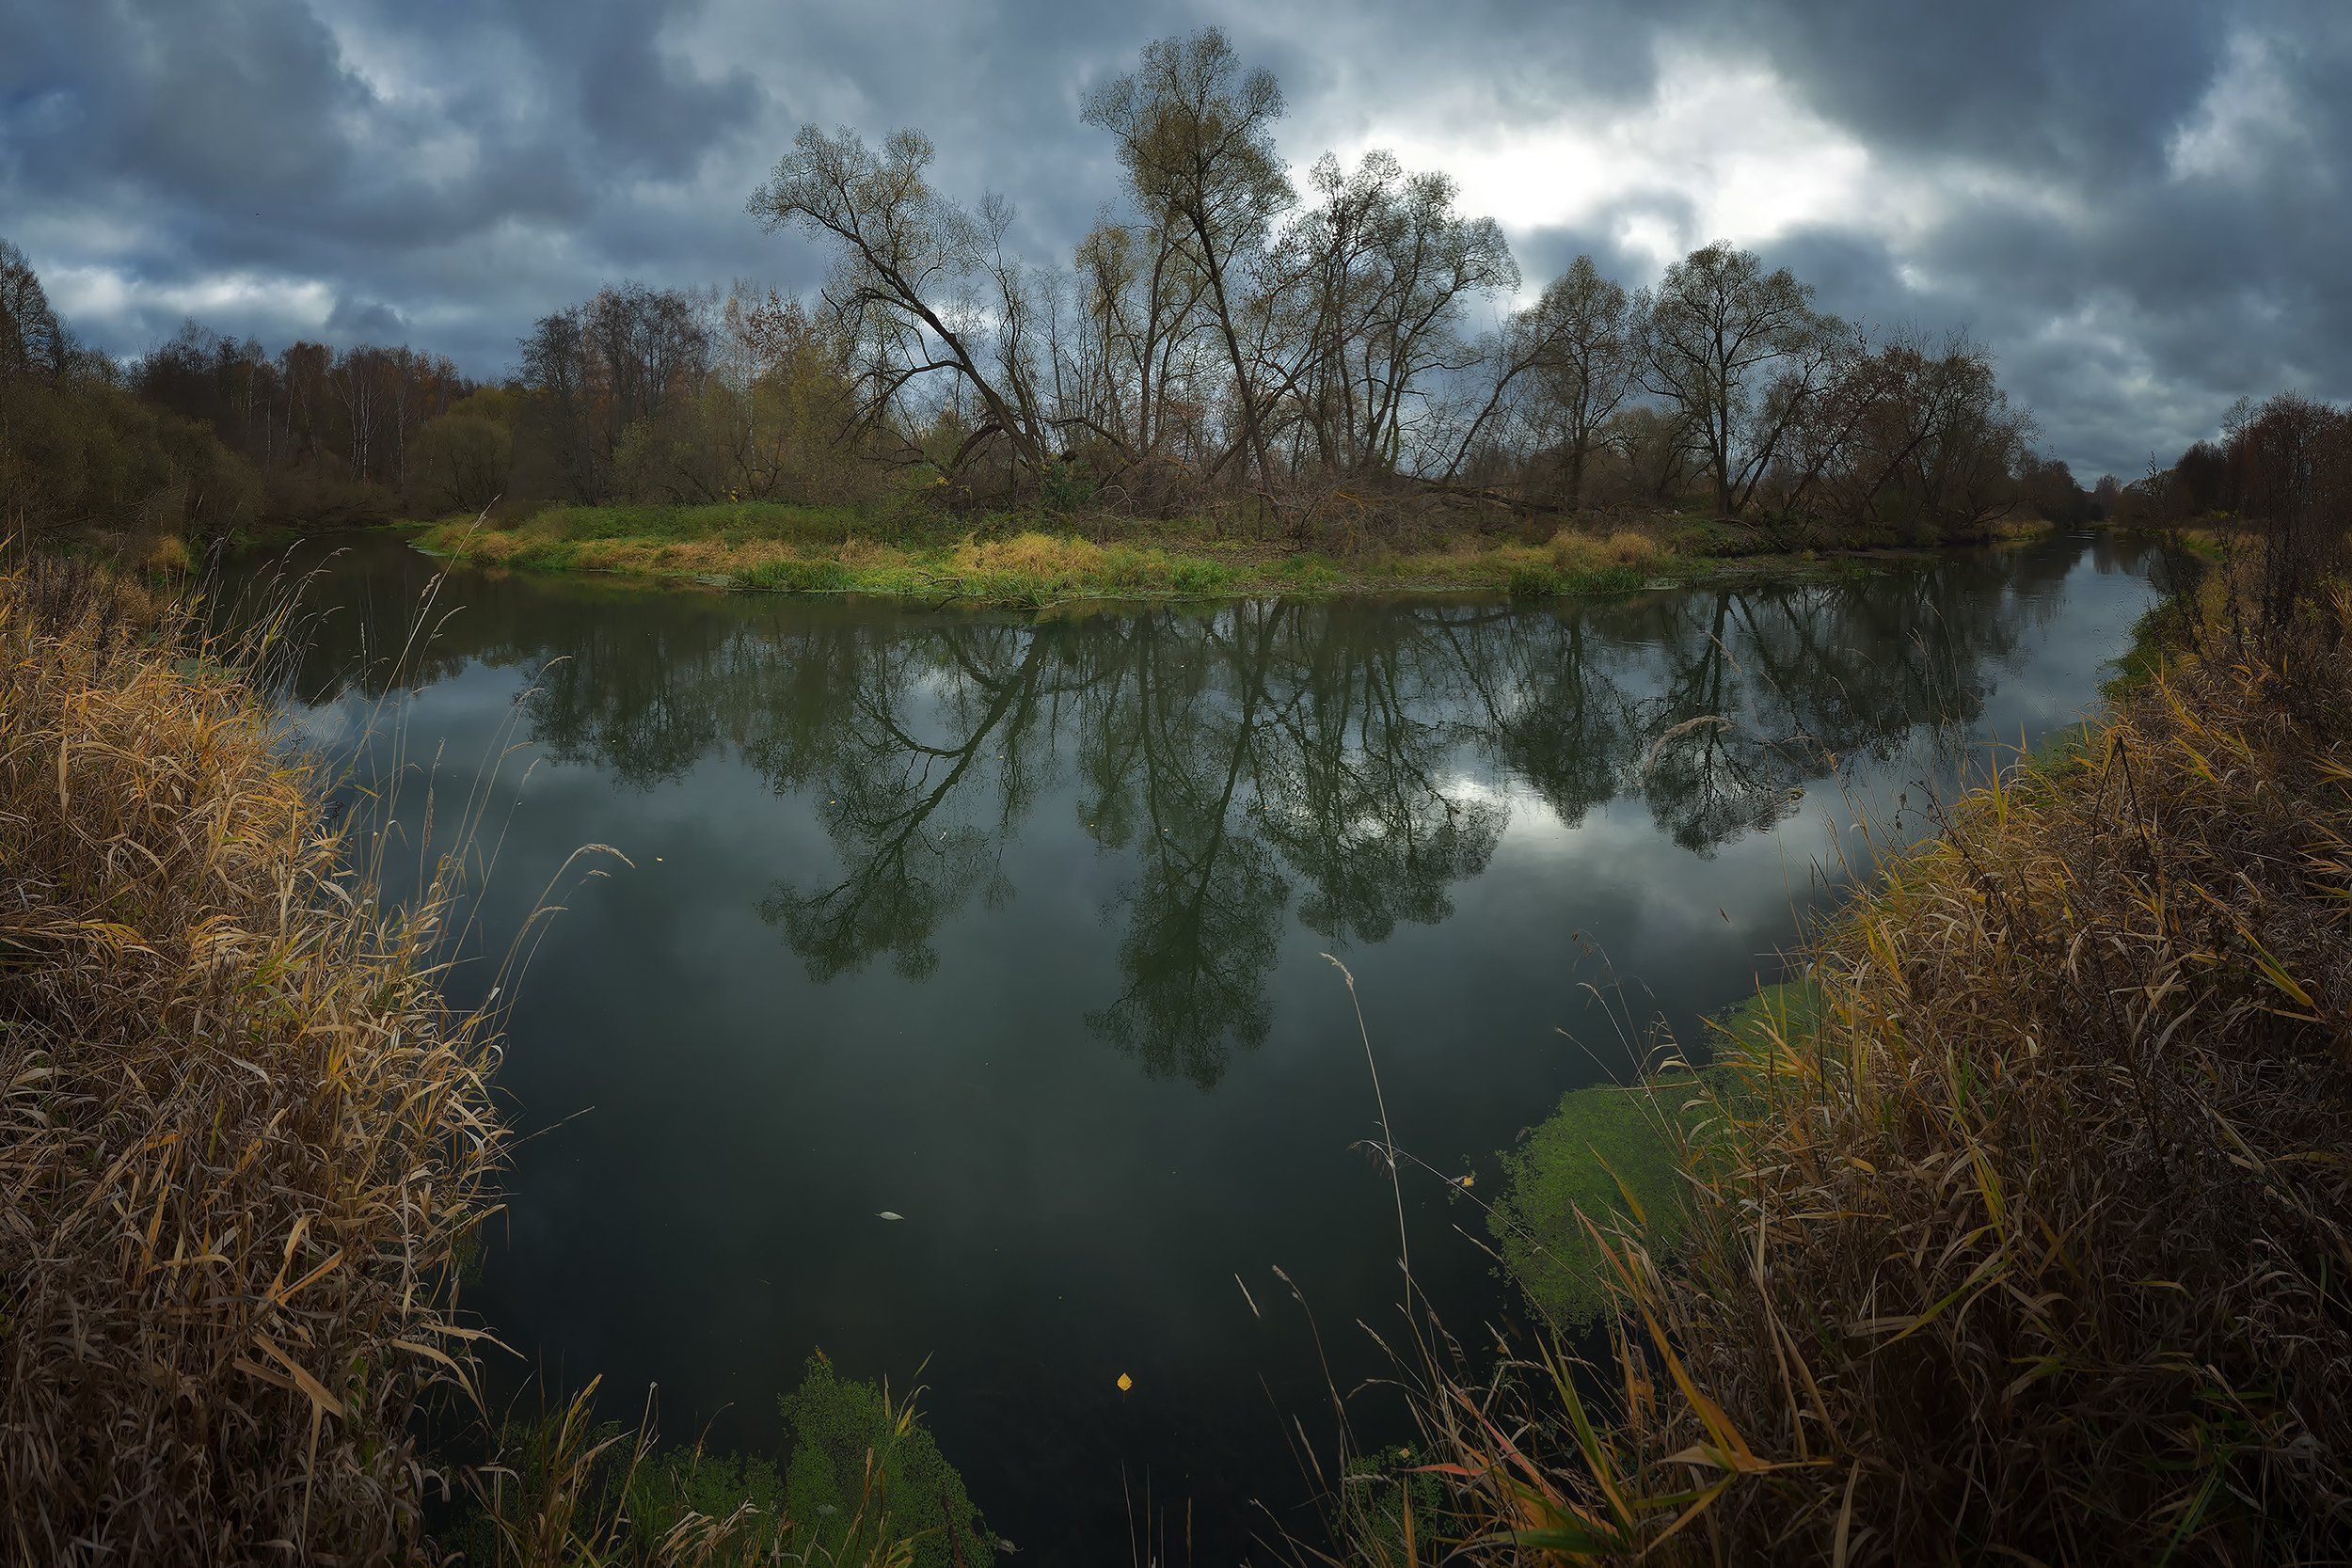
[1351, 761]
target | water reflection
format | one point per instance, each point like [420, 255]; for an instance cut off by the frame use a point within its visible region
[1354, 762]
[948, 915]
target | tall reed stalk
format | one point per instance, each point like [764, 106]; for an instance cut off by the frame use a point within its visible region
[241, 1133]
[244, 1142]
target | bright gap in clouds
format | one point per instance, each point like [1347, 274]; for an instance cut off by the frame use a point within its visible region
[106, 292]
[1720, 152]
[2247, 122]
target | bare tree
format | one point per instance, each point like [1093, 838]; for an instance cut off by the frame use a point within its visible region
[1739, 351]
[31, 342]
[912, 264]
[1584, 347]
[1195, 136]
[1386, 266]
[555, 369]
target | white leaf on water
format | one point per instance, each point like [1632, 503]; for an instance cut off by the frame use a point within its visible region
[889, 1214]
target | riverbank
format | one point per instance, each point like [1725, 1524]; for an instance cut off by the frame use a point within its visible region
[2024, 1236]
[245, 1137]
[919, 554]
[246, 1147]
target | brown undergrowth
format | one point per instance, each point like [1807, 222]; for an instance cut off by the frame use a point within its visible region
[2034, 1244]
[245, 1145]
[240, 1132]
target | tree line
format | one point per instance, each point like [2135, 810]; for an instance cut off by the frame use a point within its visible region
[1232, 340]
[79, 448]
[1273, 757]
[204, 433]
[1231, 335]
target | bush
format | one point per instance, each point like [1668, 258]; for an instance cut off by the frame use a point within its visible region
[864, 1474]
[863, 1486]
[1616, 1153]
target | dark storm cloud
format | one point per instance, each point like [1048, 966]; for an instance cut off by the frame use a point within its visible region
[2079, 91]
[365, 320]
[2196, 155]
[2140, 205]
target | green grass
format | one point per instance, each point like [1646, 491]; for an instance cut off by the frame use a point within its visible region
[909, 549]
[820, 550]
[1029, 570]
[1534, 580]
[796, 576]
[2156, 637]
[1618, 1151]
[1310, 574]
[735, 523]
[861, 1482]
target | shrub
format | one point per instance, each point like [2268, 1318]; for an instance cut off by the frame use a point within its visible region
[865, 1473]
[863, 1485]
[1619, 1152]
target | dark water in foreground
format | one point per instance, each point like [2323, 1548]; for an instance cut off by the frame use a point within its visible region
[1014, 930]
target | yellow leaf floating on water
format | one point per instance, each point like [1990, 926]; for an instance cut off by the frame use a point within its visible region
[1125, 1383]
[1469, 1182]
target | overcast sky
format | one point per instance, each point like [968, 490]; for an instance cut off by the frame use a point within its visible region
[2139, 205]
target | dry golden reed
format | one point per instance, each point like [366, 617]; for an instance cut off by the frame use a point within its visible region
[243, 1139]
[240, 1132]
[2034, 1246]
[1575, 551]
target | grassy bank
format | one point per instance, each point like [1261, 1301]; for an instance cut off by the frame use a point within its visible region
[2025, 1238]
[243, 1144]
[243, 1136]
[917, 553]
[1625, 1149]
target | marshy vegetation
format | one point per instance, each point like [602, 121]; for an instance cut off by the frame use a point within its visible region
[923, 555]
[2025, 1233]
[244, 1135]
[245, 1145]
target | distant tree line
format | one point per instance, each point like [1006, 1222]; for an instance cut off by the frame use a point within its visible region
[1308, 354]
[2280, 478]
[2280, 460]
[348, 419]
[2280, 468]
[77, 447]
[1230, 334]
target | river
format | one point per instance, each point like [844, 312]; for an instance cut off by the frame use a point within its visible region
[1014, 928]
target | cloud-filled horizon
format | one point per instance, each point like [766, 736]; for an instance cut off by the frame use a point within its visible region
[2138, 205]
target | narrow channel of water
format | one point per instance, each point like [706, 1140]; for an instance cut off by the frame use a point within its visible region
[1014, 929]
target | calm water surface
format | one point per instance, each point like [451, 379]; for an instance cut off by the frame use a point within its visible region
[1014, 928]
